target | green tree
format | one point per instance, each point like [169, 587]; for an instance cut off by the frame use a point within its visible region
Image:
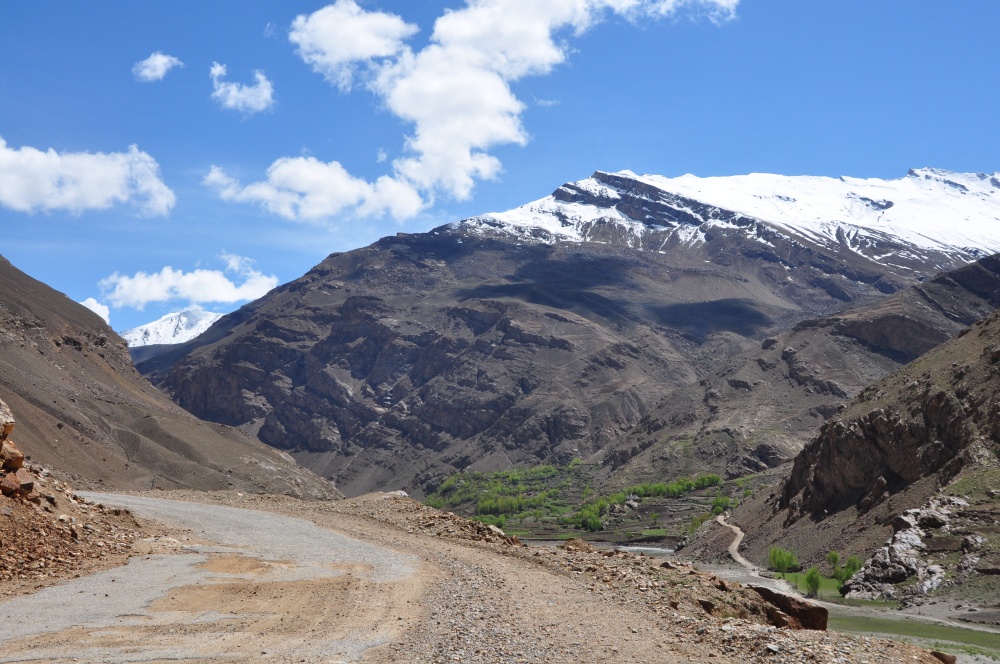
[833, 558]
[851, 566]
[782, 560]
[812, 582]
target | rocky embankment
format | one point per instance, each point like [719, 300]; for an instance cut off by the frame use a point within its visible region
[700, 616]
[47, 532]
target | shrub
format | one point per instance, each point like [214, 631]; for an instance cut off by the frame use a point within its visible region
[782, 560]
[720, 504]
[850, 568]
[696, 522]
[833, 559]
[812, 582]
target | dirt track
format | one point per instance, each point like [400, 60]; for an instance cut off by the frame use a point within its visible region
[262, 585]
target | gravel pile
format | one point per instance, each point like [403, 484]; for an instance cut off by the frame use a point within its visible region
[60, 535]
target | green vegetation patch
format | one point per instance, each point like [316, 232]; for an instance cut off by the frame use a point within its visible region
[545, 499]
[958, 638]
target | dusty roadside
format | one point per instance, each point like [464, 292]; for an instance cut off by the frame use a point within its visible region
[466, 598]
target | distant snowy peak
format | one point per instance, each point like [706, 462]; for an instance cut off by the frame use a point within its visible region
[174, 328]
[928, 211]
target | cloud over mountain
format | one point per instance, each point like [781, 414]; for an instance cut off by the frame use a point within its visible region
[454, 92]
[196, 287]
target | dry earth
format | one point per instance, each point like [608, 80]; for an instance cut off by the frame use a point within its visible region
[385, 579]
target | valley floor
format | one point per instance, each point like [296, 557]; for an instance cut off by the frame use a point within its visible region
[382, 578]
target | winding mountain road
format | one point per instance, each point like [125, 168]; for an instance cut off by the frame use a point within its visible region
[734, 546]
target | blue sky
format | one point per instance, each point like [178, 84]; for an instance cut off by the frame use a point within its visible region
[376, 117]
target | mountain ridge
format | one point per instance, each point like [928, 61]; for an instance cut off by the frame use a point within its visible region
[483, 344]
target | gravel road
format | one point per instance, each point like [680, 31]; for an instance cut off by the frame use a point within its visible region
[195, 599]
[240, 578]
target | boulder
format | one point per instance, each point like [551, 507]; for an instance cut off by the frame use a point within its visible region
[9, 485]
[576, 544]
[6, 421]
[806, 614]
[26, 479]
[932, 518]
[11, 458]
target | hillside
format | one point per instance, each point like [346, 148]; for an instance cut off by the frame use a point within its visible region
[753, 410]
[84, 411]
[597, 323]
[915, 458]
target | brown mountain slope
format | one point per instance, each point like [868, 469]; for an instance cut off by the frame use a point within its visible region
[916, 440]
[769, 401]
[466, 347]
[82, 408]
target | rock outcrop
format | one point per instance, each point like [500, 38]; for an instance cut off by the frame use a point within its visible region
[15, 479]
[905, 555]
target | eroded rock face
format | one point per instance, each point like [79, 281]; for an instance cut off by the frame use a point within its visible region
[931, 419]
[863, 460]
[905, 554]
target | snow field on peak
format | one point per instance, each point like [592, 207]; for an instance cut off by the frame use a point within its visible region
[174, 328]
[928, 209]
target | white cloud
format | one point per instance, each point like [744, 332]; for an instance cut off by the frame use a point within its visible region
[309, 189]
[195, 287]
[32, 180]
[101, 310]
[337, 37]
[239, 97]
[155, 67]
[455, 92]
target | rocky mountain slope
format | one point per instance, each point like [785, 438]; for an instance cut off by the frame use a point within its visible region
[912, 465]
[593, 323]
[83, 409]
[754, 409]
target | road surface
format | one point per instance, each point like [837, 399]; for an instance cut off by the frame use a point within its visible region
[245, 584]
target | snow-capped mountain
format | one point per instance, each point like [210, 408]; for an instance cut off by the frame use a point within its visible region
[174, 328]
[930, 215]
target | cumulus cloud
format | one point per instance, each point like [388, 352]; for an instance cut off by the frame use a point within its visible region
[196, 287]
[455, 93]
[101, 310]
[33, 180]
[337, 37]
[155, 67]
[238, 96]
[309, 189]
